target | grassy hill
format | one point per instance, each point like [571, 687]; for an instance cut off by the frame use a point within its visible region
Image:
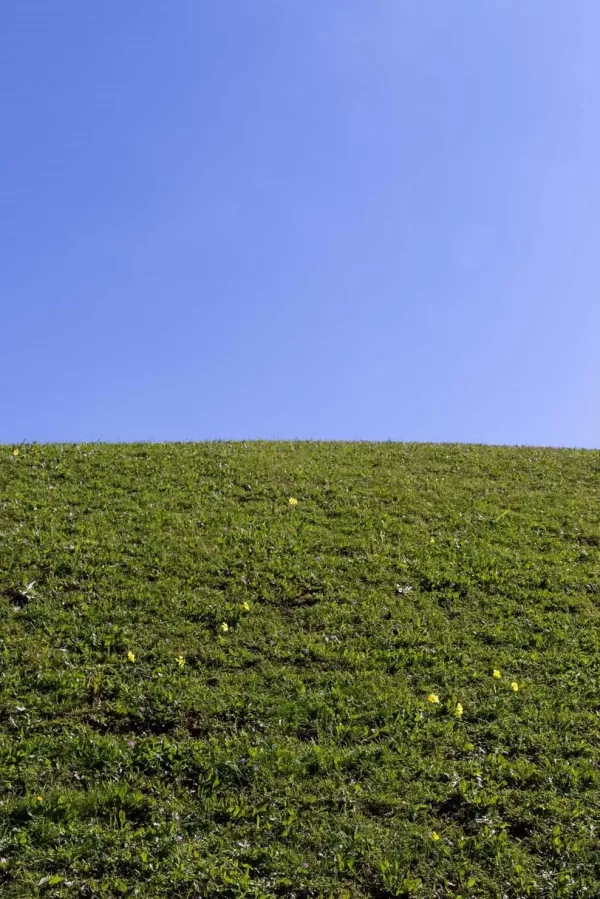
[390, 688]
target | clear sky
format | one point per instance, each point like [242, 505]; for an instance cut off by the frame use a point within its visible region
[337, 219]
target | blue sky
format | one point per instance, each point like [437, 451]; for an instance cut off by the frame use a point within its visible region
[345, 219]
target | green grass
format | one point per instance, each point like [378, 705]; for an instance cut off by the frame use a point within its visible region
[295, 754]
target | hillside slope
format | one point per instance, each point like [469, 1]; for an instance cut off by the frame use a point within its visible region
[390, 688]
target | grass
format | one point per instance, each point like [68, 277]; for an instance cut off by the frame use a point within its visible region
[210, 692]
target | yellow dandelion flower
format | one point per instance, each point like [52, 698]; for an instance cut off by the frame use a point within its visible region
[433, 697]
[39, 798]
[131, 656]
[180, 661]
[435, 836]
[246, 606]
[514, 686]
[16, 451]
[224, 627]
[496, 673]
[293, 501]
[458, 710]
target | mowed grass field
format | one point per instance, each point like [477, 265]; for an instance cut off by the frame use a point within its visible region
[390, 688]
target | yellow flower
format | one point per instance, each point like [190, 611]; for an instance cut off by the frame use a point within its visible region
[246, 606]
[16, 451]
[224, 627]
[433, 697]
[514, 686]
[39, 798]
[293, 501]
[434, 835]
[496, 673]
[180, 661]
[458, 710]
[131, 656]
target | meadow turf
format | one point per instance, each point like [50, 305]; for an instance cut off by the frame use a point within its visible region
[207, 691]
